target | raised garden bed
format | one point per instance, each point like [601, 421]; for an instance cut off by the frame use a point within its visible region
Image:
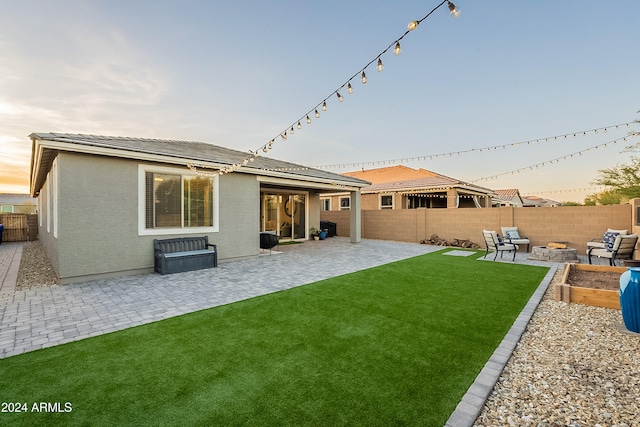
[596, 285]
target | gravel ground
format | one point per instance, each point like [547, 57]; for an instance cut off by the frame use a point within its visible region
[35, 269]
[576, 365]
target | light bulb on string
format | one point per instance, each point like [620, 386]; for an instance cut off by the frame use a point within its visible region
[324, 106]
[299, 125]
[349, 88]
[380, 67]
[412, 25]
[317, 114]
[284, 136]
[397, 49]
[308, 119]
[364, 78]
[291, 131]
[454, 10]
[340, 98]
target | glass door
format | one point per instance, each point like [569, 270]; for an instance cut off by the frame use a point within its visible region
[285, 214]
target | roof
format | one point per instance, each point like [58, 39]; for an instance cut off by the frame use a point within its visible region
[507, 193]
[391, 174]
[46, 145]
[403, 178]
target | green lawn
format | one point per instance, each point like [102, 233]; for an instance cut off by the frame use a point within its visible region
[393, 345]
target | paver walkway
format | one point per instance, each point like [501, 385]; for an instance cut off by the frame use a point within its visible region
[10, 253]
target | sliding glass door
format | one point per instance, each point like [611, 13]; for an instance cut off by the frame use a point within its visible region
[284, 213]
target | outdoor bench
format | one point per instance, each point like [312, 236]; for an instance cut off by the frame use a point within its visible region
[184, 254]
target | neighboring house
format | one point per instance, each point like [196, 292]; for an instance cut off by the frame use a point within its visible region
[508, 197]
[401, 187]
[17, 203]
[102, 200]
[535, 201]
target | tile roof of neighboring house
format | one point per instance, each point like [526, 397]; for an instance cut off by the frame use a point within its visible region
[539, 201]
[402, 178]
[507, 194]
[391, 174]
[172, 151]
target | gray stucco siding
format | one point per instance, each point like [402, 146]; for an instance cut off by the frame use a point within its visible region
[98, 212]
[98, 218]
[239, 234]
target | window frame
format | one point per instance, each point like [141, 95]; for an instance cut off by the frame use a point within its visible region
[143, 231]
[325, 204]
[348, 205]
[386, 206]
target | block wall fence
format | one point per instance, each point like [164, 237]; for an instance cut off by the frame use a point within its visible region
[573, 224]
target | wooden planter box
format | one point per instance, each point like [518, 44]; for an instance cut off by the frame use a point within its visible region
[588, 296]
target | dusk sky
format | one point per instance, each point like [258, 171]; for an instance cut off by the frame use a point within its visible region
[238, 73]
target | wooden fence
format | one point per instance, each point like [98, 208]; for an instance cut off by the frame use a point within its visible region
[19, 227]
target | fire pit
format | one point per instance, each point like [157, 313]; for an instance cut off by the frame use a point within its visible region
[546, 253]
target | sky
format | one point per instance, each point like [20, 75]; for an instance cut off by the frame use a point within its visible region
[237, 74]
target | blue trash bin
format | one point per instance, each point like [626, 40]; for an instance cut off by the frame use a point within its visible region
[630, 298]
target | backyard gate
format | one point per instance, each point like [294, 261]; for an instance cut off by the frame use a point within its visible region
[19, 227]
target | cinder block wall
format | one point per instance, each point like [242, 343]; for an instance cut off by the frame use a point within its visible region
[575, 225]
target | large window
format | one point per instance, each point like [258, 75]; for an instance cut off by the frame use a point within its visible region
[174, 202]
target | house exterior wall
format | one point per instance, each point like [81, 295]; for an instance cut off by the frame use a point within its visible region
[97, 211]
[573, 224]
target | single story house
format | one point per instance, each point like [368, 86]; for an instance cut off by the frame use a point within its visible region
[17, 203]
[508, 197]
[401, 187]
[103, 200]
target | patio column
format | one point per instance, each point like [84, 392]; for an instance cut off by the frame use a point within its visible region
[452, 198]
[355, 217]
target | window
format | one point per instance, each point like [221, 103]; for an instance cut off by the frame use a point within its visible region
[173, 202]
[345, 203]
[386, 202]
[325, 204]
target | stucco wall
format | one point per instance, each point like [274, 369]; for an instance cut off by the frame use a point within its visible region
[98, 219]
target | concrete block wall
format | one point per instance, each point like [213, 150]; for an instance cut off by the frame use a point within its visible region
[575, 225]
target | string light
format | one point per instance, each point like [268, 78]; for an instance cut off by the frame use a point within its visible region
[454, 10]
[395, 45]
[556, 138]
[542, 164]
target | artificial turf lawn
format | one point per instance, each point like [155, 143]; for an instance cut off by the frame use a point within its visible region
[397, 344]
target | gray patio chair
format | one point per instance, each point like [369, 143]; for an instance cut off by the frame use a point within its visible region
[494, 243]
[512, 236]
[601, 242]
[622, 248]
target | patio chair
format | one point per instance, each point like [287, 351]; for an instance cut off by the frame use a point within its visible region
[495, 243]
[512, 236]
[621, 248]
[601, 242]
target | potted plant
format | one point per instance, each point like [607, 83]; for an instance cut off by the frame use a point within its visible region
[322, 234]
[315, 233]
